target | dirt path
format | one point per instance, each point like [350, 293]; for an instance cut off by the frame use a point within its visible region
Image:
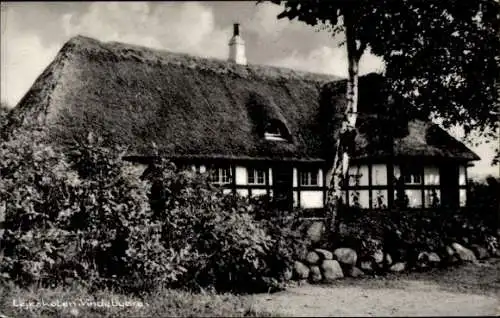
[469, 290]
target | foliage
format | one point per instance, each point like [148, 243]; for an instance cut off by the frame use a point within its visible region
[85, 216]
[404, 233]
[63, 225]
[4, 112]
[33, 190]
[455, 43]
[230, 248]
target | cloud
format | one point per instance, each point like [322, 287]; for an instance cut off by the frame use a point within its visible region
[23, 58]
[264, 21]
[187, 27]
[182, 27]
[329, 60]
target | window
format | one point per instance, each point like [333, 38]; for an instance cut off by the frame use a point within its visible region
[274, 131]
[412, 175]
[309, 178]
[220, 175]
[256, 176]
[421, 186]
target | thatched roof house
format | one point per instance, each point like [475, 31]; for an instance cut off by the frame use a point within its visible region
[244, 122]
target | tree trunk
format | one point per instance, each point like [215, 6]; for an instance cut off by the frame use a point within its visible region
[339, 170]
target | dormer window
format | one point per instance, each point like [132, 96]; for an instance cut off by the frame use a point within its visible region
[275, 131]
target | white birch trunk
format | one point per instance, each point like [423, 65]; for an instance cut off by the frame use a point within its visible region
[340, 167]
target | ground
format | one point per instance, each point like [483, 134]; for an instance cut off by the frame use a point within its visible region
[468, 290]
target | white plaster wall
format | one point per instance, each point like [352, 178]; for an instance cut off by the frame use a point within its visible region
[363, 198]
[241, 175]
[383, 194]
[362, 171]
[414, 197]
[295, 177]
[320, 177]
[431, 175]
[428, 197]
[203, 169]
[270, 176]
[461, 175]
[257, 192]
[462, 197]
[226, 191]
[379, 174]
[295, 199]
[136, 169]
[242, 192]
[311, 199]
[397, 172]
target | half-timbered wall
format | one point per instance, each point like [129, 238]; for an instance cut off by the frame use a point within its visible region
[368, 185]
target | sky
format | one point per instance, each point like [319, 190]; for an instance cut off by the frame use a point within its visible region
[33, 32]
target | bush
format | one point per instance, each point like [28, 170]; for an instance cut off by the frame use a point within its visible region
[406, 233]
[34, 189]
[229, 247]
[93, 225]
[83, 217]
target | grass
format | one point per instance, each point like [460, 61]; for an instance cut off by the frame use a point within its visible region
[78, 302]
[481, 278]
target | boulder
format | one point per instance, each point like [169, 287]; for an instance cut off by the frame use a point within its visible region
[464, 254]
[315, 231]
[324, 254]
[479, 251]
[422, 260]
[398, 267]
[366, 266]
[433, 258]
[450, 251]
[288, 274]
[346, 256]
[301, 270]
[312, 258]
[315, 275]
[378, 256]
[355, 272]
[496, 253]
[388, 259]
[331, 270]
[423, 257]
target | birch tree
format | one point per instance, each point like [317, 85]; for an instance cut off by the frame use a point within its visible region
[441, 60]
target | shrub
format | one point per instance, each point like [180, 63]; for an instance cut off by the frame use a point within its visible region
[93, 225]
[228, 248]
[77, 214]
[34, 189]
[406, 233]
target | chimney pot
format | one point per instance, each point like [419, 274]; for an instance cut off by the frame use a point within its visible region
[237, 47]
[236, 29]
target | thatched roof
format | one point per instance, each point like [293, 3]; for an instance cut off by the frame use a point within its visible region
[186, 106]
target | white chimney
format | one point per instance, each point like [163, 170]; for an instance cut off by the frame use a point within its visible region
[237, 47]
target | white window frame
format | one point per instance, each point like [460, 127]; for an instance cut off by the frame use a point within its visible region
[221, 175]
[306, 178]
[258, 176]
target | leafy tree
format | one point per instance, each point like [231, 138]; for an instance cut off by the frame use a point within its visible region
[441, 60]
[4, 111]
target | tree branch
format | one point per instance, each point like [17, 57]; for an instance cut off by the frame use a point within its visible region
[361, 50]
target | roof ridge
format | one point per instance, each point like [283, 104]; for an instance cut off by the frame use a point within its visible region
[80, 41]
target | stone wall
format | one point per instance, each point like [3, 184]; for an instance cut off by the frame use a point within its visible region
[322, 264]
